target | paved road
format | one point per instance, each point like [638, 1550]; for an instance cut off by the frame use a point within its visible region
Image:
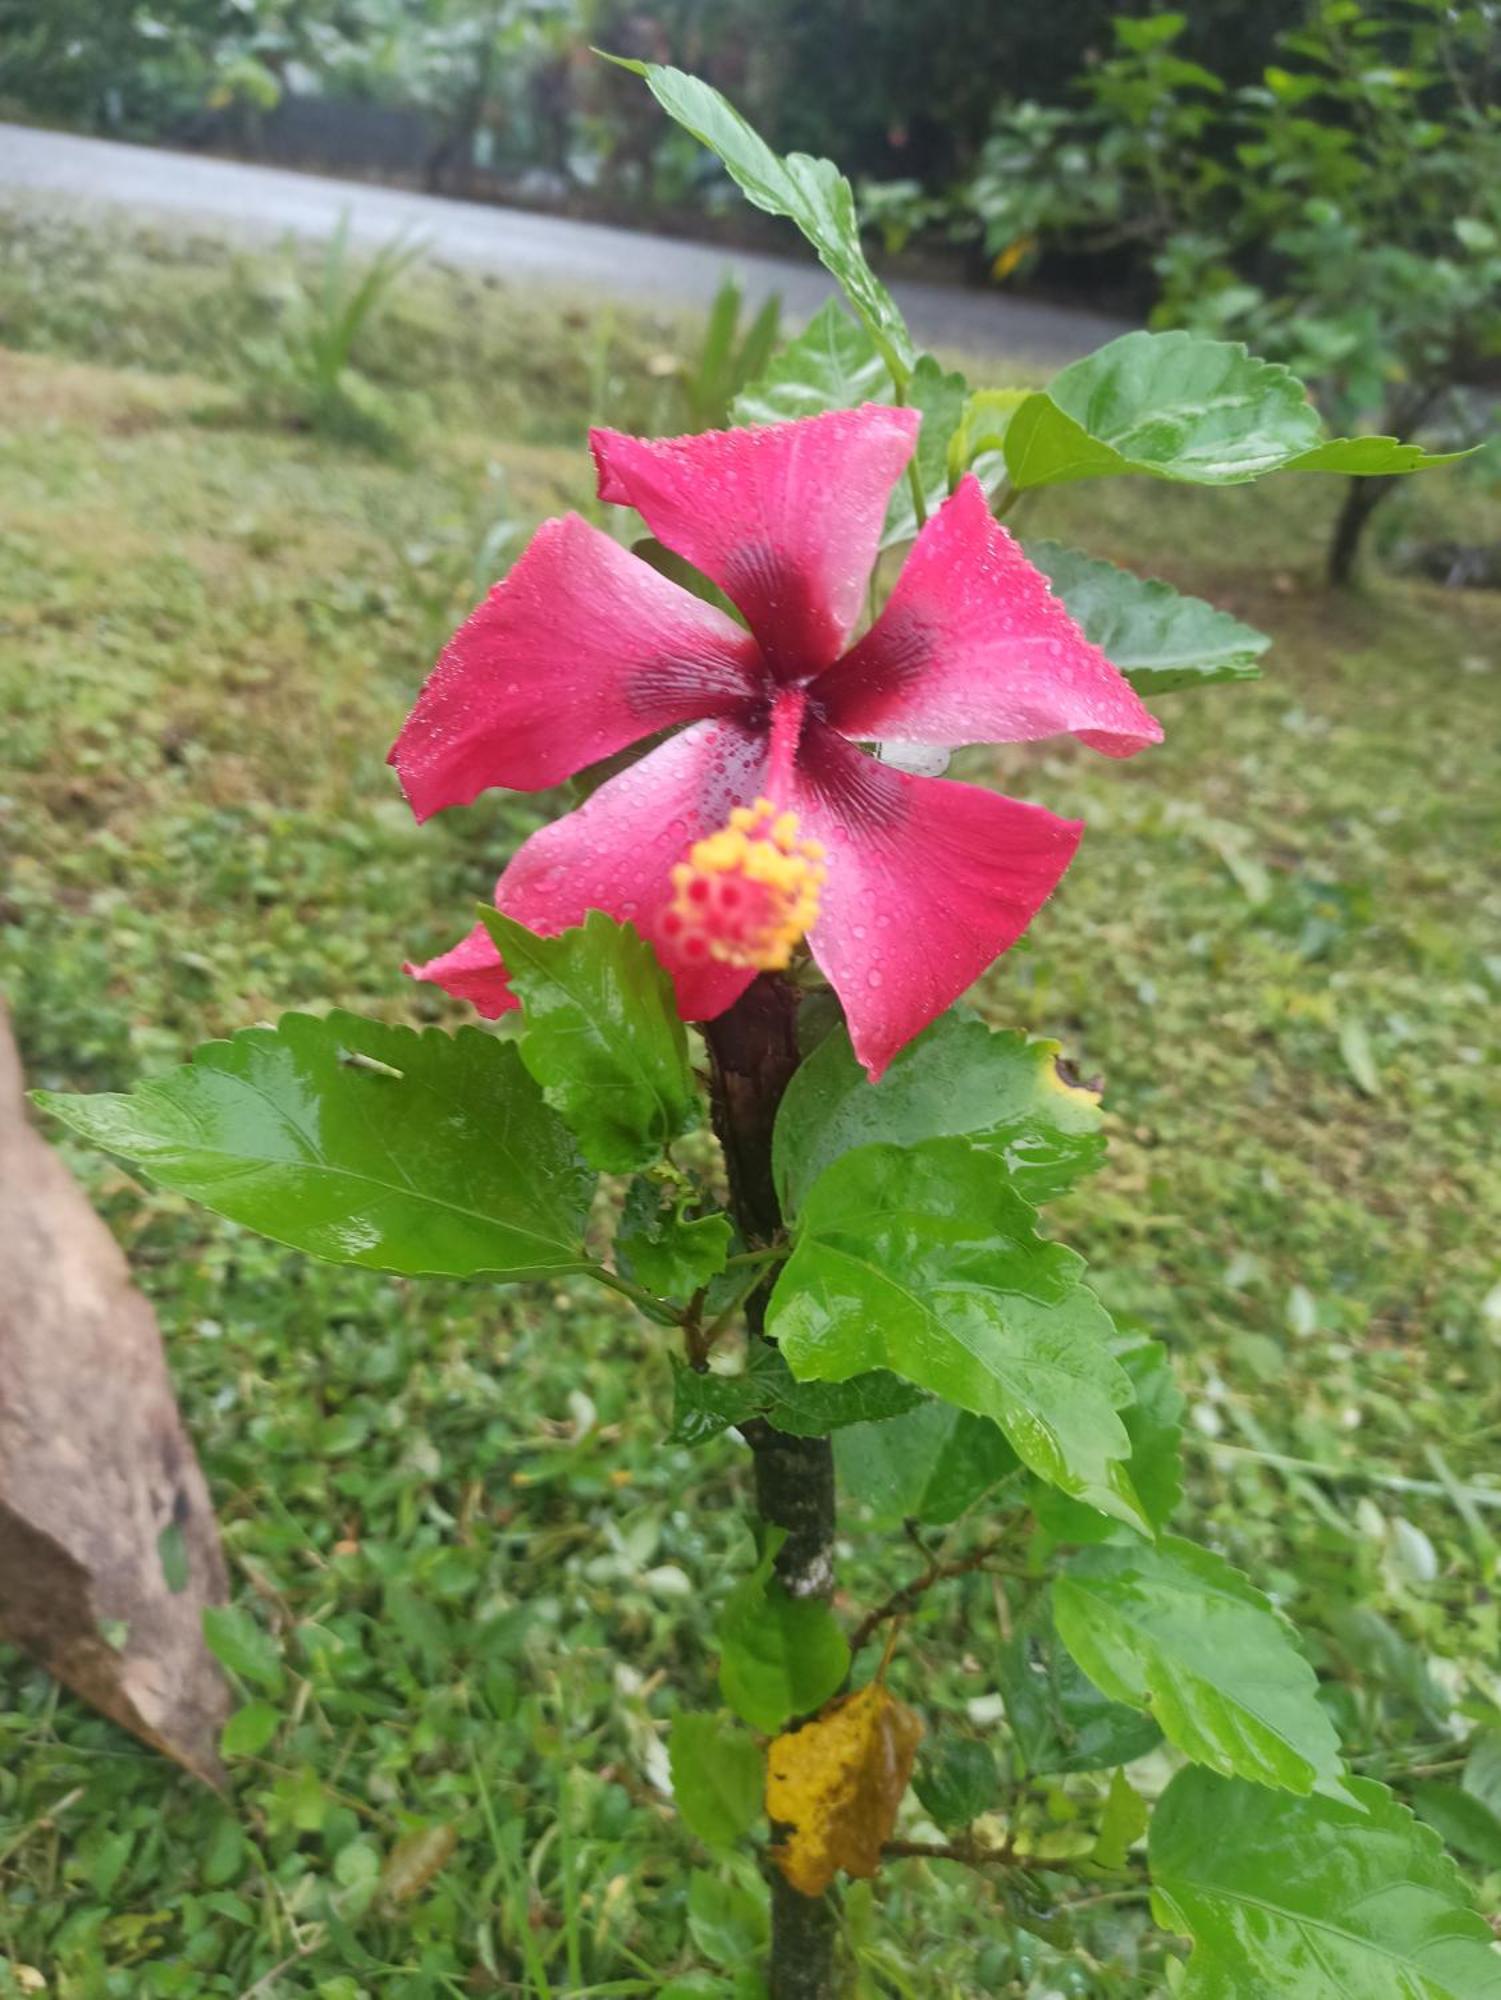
[60, 169]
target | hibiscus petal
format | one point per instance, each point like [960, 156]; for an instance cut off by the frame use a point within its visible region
[615, 853]
[580, 651]
[973, 647]
[785, 518]
[928, 882]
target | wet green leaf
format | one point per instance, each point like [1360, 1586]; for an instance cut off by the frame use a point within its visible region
[1372, 457]
[361, 1144]
[1312, 1897]
[1154, 1424]
[812, 193]
[780, 1655]
[831, 365]
[923, 1259]
[927, 1465]
[1176, 405]
[705, 1404]
[958, 1076]
[600, 1032]
[1173, 1629]
[663, 1247]
[956, 1779]
[1160, 640]
[1061, 1721]
[1184, 407]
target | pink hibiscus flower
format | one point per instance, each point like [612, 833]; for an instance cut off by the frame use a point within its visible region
[760, 820]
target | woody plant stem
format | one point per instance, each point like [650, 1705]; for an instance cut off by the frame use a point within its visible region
[753, 1050]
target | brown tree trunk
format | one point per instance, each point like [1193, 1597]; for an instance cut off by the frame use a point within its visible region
[1362, 498]
[754, 1052]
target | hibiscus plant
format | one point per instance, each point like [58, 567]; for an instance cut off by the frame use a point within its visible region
[850, 1275]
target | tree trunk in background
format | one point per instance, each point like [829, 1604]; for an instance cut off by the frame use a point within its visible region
[754, 1051]
[108, 1548]
[1362, 498]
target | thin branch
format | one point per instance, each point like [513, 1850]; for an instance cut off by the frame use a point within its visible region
[268, 1979]
[774, 1253]
[904, 1600]
[711, 1333]
[970, 1852]
[647, 1302]
[1139, 1894]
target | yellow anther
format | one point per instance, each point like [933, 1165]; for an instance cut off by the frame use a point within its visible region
[746, 894]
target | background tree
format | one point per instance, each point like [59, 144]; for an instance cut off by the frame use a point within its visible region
[1342, 214]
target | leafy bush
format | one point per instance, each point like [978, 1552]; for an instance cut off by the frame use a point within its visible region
[135, 69]
[728, 359]
[1342, 215]
[303, 372]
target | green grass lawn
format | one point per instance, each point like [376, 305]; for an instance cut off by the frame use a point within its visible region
[487, 1581]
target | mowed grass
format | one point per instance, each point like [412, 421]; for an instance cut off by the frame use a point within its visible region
[487, 1580]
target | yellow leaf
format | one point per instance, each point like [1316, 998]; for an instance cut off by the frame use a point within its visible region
[835, 1785]
[1011, 256]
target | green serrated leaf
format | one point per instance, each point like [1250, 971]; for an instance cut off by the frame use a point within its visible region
[956, 1779]
[1061, 1721]
[831, 365]
[670, 1252]
[1372, 457]
[923, 1259]
[812, 193]
[1313, 1897]
[780, 1655]
[705, 1404]
[1001, 1090]
[1158, 638]
[929, 1465]
[1154, 1424]
[1175, 405]
[600, 1032]
[1173, 1629]
[237, 1642]
[718, 1776]
[1184, 407]
[361, 1144]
